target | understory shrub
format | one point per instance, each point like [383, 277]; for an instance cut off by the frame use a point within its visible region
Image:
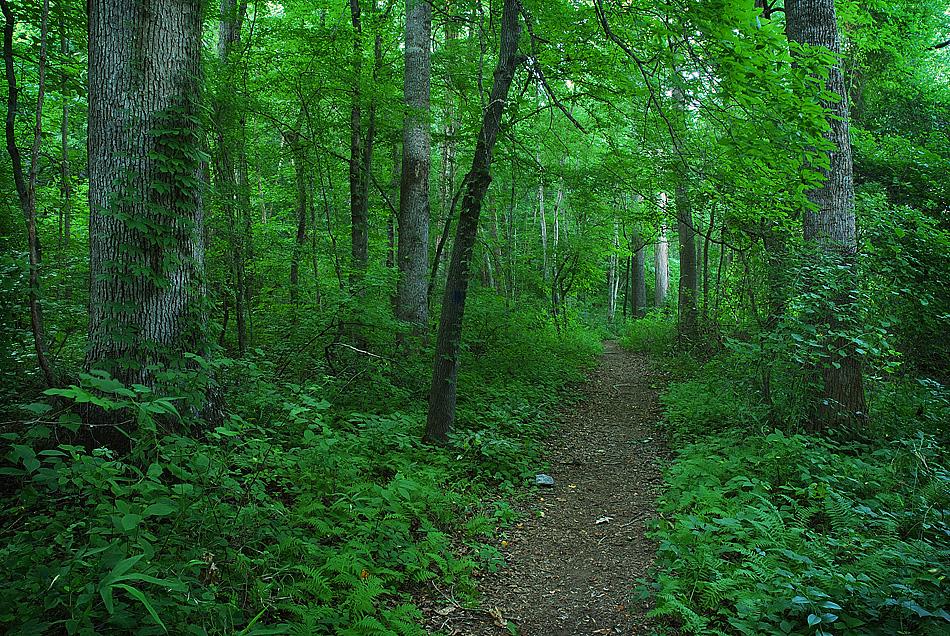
[292, 516]
[764, 531]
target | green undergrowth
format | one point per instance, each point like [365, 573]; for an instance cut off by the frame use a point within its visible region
[766, 530]
[293, 516]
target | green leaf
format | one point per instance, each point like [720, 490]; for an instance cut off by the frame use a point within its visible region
[140, 596]
[813, 620]
[131, 521]
[159, 510]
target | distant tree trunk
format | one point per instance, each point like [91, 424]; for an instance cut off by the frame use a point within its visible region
[359, 206]
[638, 277]
[391, 217]
[413, 250]
[442, 394]
[706, 246]
[26, 188]
[612, 278]
[65, 187]
[688, 288]
[232, 189]
[627, 266]
[661, 259]
[830, 223]
[146, 221]
[447, 168]
[298, 155]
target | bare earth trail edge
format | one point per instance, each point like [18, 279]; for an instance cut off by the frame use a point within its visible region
[573, 570]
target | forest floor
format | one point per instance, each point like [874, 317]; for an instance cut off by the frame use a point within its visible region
[574, 557]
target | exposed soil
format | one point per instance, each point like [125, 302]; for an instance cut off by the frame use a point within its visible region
[574, 559]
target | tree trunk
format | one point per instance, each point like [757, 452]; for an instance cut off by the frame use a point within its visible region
[638, 277]
[413, 250]
[66, 186]
[26, 188]
[688, 287]
[661, 259]
[612, 276]
[298, 154]
[442, 394]
[146, 223]
[359, 206]
[830, 222]
[232, 190]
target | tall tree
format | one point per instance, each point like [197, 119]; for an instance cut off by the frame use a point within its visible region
[146, 223]
[359, 201]
[661, 259]
[26, 187]
[442, 393]
[413, 248]
[638, 282]
[829, 222]
[230, 161]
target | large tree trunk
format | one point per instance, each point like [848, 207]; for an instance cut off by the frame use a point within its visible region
[146, 223]
[442, 394]
[26, 187]
[413, 248]
[830, 222]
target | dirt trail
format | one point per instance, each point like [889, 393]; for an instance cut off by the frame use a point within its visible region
[574, 570]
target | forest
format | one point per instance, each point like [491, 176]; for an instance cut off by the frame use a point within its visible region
[474, 317]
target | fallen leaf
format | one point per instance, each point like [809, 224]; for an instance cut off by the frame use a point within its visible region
[445, 611]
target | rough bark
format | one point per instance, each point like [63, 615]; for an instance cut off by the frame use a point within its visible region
[829, 223]
[413, 248]
[146, 222]
[26, 187]
[442, 393]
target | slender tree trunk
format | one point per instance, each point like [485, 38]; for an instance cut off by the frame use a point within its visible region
[830, 223]
[612, 278]
[359, 208]
[228, 119]
[146, 220]
[26, 188]
[688, 319]
[442, 394]
[638, 279]
[298, 154]
[66, 187]
[661, 259]
[391, 217]
[413, 251]
[706, 245]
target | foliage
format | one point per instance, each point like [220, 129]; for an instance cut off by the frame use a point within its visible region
[762, 531]
[292, 516]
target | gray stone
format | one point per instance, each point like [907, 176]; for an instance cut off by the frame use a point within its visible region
[543, 480]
